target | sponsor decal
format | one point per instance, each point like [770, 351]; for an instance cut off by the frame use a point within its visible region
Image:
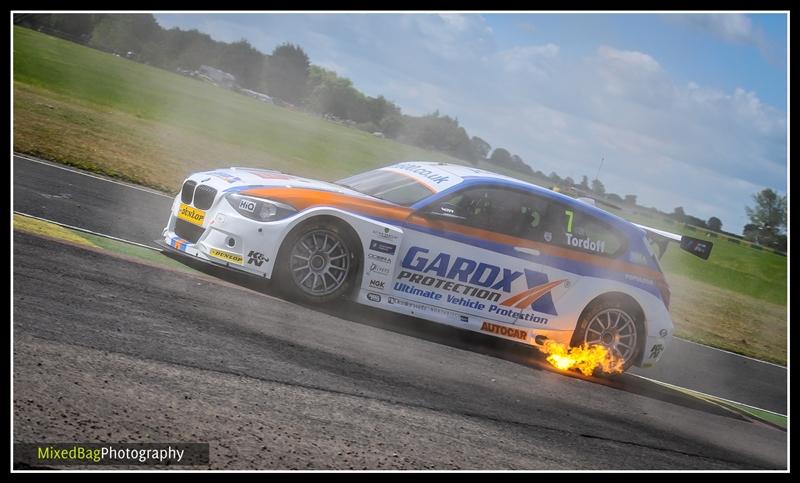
[227, 256]
[513, 332]
[637, 278]
[373, 297]
[463, 318]
[655, 351]
[379, 258]
[179, 243]
[256, 258]
[586, 243]
[379, 284]
[385, 233]
[548, 237]
[519, 315]
[268, 174]
[374, 268]
[191, 214]
[663, 332]
[422, 171]
[483, 281]
[247, 205]
[229, 178]
[383, 247]
[414, 306]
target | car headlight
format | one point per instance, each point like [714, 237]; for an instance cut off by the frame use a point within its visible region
[259, 209]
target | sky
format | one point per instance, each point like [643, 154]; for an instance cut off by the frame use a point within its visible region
[683, 109]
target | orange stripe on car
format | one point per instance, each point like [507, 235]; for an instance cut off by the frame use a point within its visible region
[528, 297]
[303, 198]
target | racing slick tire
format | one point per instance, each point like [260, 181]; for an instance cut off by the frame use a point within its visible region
[614, 323]
[318, 262]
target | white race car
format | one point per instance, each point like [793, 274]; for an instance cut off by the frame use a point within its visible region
[451, 244]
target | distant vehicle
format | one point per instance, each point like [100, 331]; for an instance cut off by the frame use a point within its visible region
[256, 95]
[451, 244]
[217, 76]
[378, 134]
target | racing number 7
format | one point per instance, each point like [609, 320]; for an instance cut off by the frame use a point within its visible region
[569, 221]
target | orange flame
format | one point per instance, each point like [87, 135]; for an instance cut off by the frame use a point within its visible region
[584, 358]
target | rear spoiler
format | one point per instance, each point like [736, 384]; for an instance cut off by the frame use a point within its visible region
[695, 246]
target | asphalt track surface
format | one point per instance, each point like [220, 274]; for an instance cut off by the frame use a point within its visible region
[112, 349]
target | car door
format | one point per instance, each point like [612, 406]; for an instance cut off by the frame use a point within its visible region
[462, 254]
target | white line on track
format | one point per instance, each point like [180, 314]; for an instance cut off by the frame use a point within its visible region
[148, 190]
[158, 249]
[732, 353]
[77, 171]
[705, 394]
[84, 230]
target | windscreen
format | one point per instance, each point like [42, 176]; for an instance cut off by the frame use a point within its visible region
[389, 186]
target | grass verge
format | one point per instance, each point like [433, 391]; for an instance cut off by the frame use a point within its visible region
[762, 415]
[51, 230]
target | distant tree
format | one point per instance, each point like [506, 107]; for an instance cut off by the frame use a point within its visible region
[781, 243]
[500, 157]
[74, 26]
[243, 61]
[695, 221]
[614, 197]
[714, 224]
[679, 215]
[584, 183]
[630, 199]
[598, 188]
[569, 182]
[286, 73]
[769, 217]
[750, 232]
[518, 164]
[126, 33]
[379, 109]
[480, 147]
[555, 178]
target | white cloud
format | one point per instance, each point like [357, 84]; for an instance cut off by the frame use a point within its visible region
[734, 28]
[731, 27]
[536, 60]
[628, 60]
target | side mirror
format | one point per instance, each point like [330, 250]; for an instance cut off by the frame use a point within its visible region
[445, 210]
[698, 248]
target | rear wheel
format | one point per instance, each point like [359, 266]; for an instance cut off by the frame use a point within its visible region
[613, 325]
[318, 263]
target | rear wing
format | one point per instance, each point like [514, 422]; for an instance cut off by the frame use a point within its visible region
[695, 246]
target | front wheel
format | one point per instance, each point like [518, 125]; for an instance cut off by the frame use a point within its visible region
[612, 325]
[318, 263]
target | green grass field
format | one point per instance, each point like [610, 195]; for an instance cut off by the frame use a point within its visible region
[92, 110]
[757, 273]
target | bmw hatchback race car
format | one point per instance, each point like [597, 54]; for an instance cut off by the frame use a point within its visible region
[451, 244]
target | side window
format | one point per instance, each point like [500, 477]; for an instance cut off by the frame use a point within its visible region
[580, 231]
[488, 208]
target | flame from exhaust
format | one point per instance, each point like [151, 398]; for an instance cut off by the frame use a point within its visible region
[584, 358]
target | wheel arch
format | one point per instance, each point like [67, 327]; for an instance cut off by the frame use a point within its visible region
[326, 218]
[637, 311]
